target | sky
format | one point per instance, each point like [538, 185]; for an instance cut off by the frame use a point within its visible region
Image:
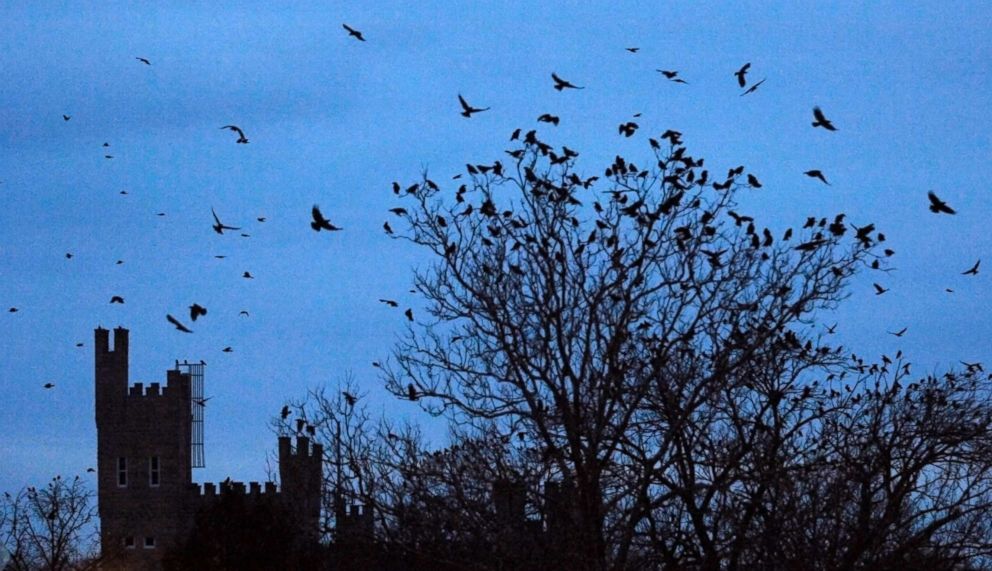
[333, 121]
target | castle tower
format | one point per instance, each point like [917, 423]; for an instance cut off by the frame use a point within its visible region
[143, 457]
[301, 474]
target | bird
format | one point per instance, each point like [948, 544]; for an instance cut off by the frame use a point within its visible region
[227, 349]
[116, 299]
[389, 302]
[261, 219]
[284, 412]
[549, 118]
[973, 271]
[561, 84]
[143, 60]
[243, 312]
[741, 73]
[242, 140]
[409, 314]
[937, 205]
[398, 211]
[627, 129]
[832, 329]
[821, 120]
[247, 275]
[818, 175]
[353, 32]
[349, 398]
[90, 470]
[387, 227]
[672, 75]
[203, 401]
[879, 290]
[753, 181]
[467, 109]
[899, 333]
[196, 310]
[66, 117]
[411, 392]
[160, 214]
[68, 255]
[12, 310]
[633, 50]
[48, 385]
[118, 262]
[220, 256]
[319, 222]
[219, 226]
[79, 344]
[178, 325]
[754, 87]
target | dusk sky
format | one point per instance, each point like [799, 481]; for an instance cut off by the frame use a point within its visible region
[333, 121]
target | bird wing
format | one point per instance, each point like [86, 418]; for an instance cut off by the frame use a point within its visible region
[557, 79]
[349, 28]
[818, 114]
[464, 103]
[217, 220]
[317, 216]
[178, 325]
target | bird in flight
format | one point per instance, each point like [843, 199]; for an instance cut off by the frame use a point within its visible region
[754, 87]
[247, 275]
[818, 175]
[741, 73]
[143, 60]
[349, 398]
[409, 314]
[49, 385]
[242, 140]
[561, 84]
[66, 117]
[899, 333]
[628, 129]
[319, 222]
[353, 32]
[821, 120]
[879, 290]
[117, 299]
[219, 226]
[937, 205]
[284, 413]
[467, 109]
[549, 118]
[672, 75]
[973, 271]
[12, 310]
[196, 310]
[178, 325]
[832, 329]
[243, 312]
[389, 302]
[227, 349]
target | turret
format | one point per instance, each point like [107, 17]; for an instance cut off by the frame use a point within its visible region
[111, 371]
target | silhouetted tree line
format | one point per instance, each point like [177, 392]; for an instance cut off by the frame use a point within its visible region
[642, 365]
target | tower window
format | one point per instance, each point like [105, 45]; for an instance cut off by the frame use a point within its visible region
[149, 543]
[122, 472]
[129, 542]
[153, 472]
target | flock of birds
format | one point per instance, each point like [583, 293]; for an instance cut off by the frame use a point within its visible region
[320, 223]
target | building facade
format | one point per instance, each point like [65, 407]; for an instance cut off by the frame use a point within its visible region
[145, 455]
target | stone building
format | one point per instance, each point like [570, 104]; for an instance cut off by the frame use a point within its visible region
[148, 442]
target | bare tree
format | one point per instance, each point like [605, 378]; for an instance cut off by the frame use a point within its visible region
[52, 528]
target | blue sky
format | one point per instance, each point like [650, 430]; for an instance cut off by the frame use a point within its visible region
[334, 121]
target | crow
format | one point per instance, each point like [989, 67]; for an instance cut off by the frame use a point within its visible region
[411, 392]
[740, 73]
[973, 271]
[753, 181]
[818, 175]
[196, 310]
[467, 109]
[409, 314]
[242, 140]
[284, 413]
[66, 117]
[349, 398]
[672, 75]
[353, 32]
[389, 302]
[219, 226]
[879, 290]
[227, 349]
[143, 60]
[178, 325]
[247, 275]
[899, 333]
[549, 118]
[561, 84]
[821, 120]
[117, 299]
[633, 50]
[937, 205]
[319, 222]
[754, 87]
[48, 385]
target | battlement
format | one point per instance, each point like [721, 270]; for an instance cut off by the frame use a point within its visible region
[302, 451]
[254, 489]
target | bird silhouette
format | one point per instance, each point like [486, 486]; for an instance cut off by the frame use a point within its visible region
[119, 262]
[672, 76]
[247, 275]
[753, 181]
[821, 120]
[227, 349]
[12, 310]
[741, 73]
[899, 333]
[468, 110]
[937, 205]
[68, 255]
[754, 87]
[219, 226]
[66, 117]
[409, 314]
[398, 211]
[349, 398]
[243, 312]
[387, 227]
[196, 310]
[79, 344]
[319, 222]
[561, 84]
[48, 385]
[116, 299]
[832, 329]
[879, 290]
[178, 325]
[633, 50]
[411, 392]
[549, 118]
[389, 302]
[627, 129]
[143, 60]
[353, 32]
[242, 140]
[284, 413]
[973, 271]
[817, 175]
[261, 219]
